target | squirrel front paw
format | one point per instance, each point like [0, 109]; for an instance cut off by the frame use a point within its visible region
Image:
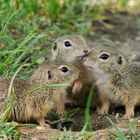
[129, 107]
[61, 113]
[103, 110]
[42, 123]
[61, 110]
[77, 87]
[129, 114]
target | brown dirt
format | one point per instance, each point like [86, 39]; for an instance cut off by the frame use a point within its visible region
[101, 127]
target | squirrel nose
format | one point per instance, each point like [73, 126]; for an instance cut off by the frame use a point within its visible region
[85, 51]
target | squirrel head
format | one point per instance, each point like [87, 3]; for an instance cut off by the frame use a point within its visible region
[56, 74]
[68, 48]
[105, 59]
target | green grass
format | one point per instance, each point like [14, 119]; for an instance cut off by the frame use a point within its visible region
[118, 134]
[8, 131]
[87, 110]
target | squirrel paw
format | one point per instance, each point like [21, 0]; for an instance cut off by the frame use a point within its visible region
[77, 87]
[128, 116]
[43, 124]
[61, 112]
[102, 110]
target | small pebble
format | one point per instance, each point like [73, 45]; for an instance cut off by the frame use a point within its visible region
[117, 116]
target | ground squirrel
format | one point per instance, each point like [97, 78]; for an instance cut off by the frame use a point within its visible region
[38, 103]
[118, 79]
[68, 48]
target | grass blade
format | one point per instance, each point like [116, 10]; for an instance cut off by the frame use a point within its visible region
[118, 132]
[87, 110]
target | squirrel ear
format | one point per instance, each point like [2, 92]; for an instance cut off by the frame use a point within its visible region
[49, 74]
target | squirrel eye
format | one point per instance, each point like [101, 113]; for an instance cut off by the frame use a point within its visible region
[64, 69]
[67, 44]
[104, 56]
[55, 46]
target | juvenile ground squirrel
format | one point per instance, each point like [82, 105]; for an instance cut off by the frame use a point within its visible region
[68, 48]
[117, 78]
[36, 104]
